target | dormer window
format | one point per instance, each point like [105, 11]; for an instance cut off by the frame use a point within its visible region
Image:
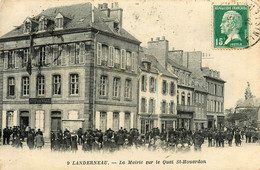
[59, 21]
[116, 26]
[27, 26]
[42, 23]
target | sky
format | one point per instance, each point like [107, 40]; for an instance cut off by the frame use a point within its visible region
[186, 25]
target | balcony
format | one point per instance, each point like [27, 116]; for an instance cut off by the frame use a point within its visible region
[185, 108]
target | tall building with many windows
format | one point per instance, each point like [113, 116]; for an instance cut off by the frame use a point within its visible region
[157, 96]
[70, 67]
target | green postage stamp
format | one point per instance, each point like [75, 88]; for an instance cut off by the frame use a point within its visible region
[230, 26]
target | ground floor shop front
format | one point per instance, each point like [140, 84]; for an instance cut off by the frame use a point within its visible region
[46, 117]
[164, 122]
[215, 121]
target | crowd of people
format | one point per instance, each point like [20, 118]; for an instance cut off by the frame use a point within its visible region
[179, 140]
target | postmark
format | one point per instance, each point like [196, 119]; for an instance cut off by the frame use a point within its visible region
[235, 25]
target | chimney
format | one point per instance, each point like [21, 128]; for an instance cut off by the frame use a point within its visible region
[159, 49]
[116, 13]
[151, 39]
[163, 37]
[104, 8]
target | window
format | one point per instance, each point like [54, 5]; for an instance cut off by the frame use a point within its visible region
[202, 98]
[39, 120]
[178, 101]
[56, 85]
[183, 98]
[111, 56]
[10, 118]
[11, 86]
[11, 59]
[115, 121]
[103, 121]
[77, 53]
[27, 27]
[215, 106]
[104, 55]
[151, 106]
[164, 87]
[59, 22]
[152, 85]
[25, 57]
[143, 85]
[172, 89]
[103, 85]
[40, 85]
[25, 86]
[117, 58]
[128, 60]
[42, 56]
[128, 87]
[189, 99]
[222, 91]
[116, 87]
[143, 105]
[72, 48]
[172, 107]
[42, 24]
[123, 59]
[133, 61]
[56, 55]
[164, 107]
[215, 89]
[74, 84]
[99, 53]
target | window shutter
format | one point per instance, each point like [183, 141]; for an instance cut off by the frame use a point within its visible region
[82, 53]
[167, 88]
[109, 56]
[145, 83]
[47, 50]
[113, 56]
[133, 61]
[99, 53]
[154, 103]
[72, 53]
[145, 105]
[5, 60]
[65, 53]
[167, 108]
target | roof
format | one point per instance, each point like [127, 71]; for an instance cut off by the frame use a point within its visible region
[215, 78]
[157, 66]
[77, 16]
[170, 61]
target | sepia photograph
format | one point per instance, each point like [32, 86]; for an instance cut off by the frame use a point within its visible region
[144, 84]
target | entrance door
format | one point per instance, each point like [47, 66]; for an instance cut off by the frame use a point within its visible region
[55, 123]
[24, 119]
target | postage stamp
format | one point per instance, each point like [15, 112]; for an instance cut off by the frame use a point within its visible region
[230, 26]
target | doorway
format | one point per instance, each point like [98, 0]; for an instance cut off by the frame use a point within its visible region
[24, 119]
[55, 121]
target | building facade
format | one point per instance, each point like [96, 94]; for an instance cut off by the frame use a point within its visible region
[157, 96]
[58, 69]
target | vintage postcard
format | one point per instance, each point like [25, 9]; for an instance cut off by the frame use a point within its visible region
[143, 84]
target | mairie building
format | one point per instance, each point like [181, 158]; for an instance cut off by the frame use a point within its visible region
[70, 67]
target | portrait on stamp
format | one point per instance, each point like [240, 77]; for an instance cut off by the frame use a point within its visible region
[230, 26]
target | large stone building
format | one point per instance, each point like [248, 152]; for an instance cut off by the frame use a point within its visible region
[70, 67]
